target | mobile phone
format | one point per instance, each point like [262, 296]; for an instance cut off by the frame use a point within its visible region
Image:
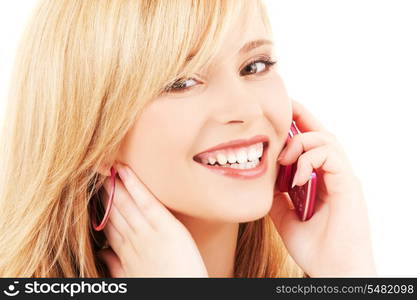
[302, 197]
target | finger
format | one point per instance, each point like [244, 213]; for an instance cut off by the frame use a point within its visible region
[290, 204]
[115, 218]
[112, 262]
[127, 212]
[114, 238]
[153, 210]
[105, 201]
[282, 211]
[327, 160]
[304, 118]
[117, 225]
[287, 222]
[302, 143]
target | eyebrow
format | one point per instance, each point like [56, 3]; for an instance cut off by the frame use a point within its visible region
[246, 47]
[254, 44]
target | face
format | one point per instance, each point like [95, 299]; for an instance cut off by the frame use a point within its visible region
[232, 99]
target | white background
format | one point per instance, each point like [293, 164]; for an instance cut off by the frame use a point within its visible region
[353, 63]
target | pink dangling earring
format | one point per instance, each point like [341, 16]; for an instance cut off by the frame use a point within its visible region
[109, 204]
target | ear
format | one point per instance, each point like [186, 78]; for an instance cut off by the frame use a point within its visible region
[104, 169]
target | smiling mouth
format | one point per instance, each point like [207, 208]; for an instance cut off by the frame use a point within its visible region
[240, 158]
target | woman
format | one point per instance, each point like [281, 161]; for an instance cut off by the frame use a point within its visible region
[145, 88]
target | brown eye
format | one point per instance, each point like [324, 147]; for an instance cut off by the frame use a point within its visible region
[180, 85]
[254, 66]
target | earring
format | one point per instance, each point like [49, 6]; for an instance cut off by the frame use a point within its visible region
[109, 204]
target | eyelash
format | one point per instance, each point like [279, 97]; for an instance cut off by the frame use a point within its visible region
[267, 61]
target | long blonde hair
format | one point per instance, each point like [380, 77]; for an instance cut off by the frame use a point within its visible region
[84, 71]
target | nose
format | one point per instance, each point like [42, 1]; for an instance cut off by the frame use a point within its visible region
[236, 104]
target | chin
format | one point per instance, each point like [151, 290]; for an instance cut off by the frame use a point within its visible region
[248, 213]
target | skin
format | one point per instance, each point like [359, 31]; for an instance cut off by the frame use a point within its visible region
[173, 217]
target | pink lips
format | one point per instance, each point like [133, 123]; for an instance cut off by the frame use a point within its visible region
[252, 173]
[237, 143]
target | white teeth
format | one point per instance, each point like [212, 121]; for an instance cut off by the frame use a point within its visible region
[211, 160]
[259, 148]
[242, 155]
[247, 165]
[252, 153]
[252, 164]
[231, 156]
[237, 157]
[221, 157]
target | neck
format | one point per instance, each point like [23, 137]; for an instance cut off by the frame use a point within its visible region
[216, 243]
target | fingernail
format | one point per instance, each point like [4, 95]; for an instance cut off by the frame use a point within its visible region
[282, 154]
[290, 204]
[121, 170]
[294, 181]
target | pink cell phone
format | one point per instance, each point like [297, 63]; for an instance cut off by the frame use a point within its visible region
[302, 197]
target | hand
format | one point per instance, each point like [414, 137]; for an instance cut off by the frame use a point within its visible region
[336, 240]
[146, 239]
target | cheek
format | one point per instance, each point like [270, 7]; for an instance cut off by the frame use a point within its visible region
[277, 105]
[158, 149]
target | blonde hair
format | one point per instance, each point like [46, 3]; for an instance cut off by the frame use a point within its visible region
[84, 71]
